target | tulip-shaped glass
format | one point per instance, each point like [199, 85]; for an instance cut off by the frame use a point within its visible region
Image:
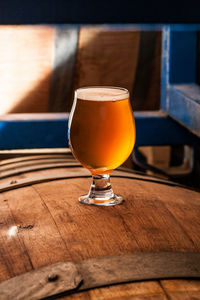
[101, 137]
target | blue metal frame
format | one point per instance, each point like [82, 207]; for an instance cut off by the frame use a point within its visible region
[153, 128]
[180, 94]
[180, 99]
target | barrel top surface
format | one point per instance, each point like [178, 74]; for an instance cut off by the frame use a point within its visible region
[44, 223]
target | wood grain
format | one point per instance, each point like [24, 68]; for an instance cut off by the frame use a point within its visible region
[178, 203]
[146, 87]
[138, 221]
[42, 283]
[75, 220]
[65, 52]
[25, 67]
[100, 272]
[138, 290]
[181, 289]
[106, 57]
[44, 224]
[36, 228]
[41, 66]
[11, 245]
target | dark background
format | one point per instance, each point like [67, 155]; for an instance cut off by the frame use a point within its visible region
[87, 11]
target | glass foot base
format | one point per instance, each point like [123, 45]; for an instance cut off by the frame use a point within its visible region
[116, 199]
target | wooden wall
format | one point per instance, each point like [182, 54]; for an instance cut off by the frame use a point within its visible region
[25, 68]
[30, 80]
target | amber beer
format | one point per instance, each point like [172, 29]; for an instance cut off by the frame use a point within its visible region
[102, 128]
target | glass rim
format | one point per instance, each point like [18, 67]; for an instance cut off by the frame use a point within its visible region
[126, 91]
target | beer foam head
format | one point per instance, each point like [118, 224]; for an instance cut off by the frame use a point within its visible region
[102, 93]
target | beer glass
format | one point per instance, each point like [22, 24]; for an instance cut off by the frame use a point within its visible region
[101, 137]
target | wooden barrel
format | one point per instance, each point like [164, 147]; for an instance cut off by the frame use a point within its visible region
[42, 223]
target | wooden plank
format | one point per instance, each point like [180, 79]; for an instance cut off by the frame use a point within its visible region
[65, 47]
[139, 290]
[184, 208]
[34, 163]
[181, 289]
[92, 232]
[11, 245]
[145, 214]
[25, 65]
[36, 167]
[36, 228]
[37, 157]
[86, 230]
[173, 289]
[72, 170]
[188, 217]
[106, 57]
[146, 86]
[41, 175]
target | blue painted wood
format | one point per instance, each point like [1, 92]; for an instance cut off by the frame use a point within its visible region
[182, 56]
[153, 128]
[179, 92]
[184, 106]
[29, 133]
[165, 67]
[156, 128]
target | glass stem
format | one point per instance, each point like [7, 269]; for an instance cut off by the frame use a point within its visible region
[101, 188]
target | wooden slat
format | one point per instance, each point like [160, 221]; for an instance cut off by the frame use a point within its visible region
[142, 215]
[65, 48]
[102, 235]
[181, 289]
[35, 163]
[39, 75]
[31, 158]
[68, 170]
[150, 290]
[36, 229]
[25, 67]
[168, 289]
[150, 217]
[14, 259]
[36, 167]
[183, 205]
[106, 57]
[146, 87]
